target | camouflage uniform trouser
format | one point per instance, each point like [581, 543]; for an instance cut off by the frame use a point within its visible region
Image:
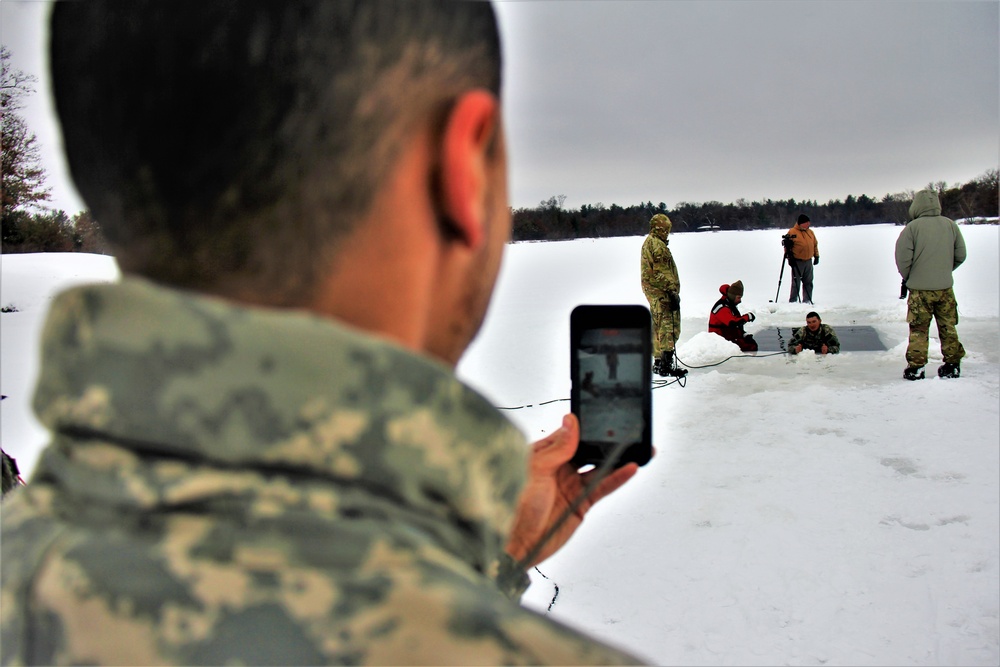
[666, 326]
[921, 307]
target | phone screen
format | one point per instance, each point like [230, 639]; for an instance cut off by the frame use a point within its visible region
[611, 353]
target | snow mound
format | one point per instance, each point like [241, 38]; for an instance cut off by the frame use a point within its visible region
[706, 348]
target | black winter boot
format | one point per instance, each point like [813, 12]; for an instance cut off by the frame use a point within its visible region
[948, 370]
[662, 366]
[913, 373]
[670, 368]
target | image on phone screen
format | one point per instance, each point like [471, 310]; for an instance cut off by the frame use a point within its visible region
[611, 352]
[611, 387]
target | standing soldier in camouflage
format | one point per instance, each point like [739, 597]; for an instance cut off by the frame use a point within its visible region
[260, 452]
[928, 249]
[662, 287]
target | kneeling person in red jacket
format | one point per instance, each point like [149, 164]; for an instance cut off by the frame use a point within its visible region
[726, 320]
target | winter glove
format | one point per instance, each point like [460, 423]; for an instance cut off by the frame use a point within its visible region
[815, 261]
[750, 317]
[674, 300]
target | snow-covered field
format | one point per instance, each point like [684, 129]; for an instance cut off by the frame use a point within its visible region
[803, 511]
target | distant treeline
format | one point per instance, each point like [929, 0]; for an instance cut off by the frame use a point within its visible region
[549, 221]
[54, 231]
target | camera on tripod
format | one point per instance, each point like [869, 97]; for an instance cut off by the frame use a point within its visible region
[788, 241]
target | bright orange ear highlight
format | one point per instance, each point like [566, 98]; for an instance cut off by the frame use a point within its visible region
[465, 163]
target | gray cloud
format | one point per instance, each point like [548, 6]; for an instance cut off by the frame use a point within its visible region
[691, 101]
[621, 101]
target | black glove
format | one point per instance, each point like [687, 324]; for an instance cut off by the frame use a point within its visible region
[674, 300]
[815, 261]
[751, 317]
[902, 290]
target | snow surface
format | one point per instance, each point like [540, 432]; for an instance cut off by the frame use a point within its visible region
[800, 510]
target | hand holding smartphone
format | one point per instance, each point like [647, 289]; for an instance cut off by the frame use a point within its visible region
[610, 350]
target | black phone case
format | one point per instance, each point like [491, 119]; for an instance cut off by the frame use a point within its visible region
[636, 397]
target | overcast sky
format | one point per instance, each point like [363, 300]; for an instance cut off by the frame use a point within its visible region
[669, 101]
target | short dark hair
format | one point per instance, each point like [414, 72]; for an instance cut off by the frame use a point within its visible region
[813, 313]
[233, 143]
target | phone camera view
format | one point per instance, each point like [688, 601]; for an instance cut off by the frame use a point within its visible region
[611, 386]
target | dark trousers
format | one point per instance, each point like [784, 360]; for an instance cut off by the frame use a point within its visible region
[802, 274]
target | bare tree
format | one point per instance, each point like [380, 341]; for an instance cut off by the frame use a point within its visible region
[23, 178]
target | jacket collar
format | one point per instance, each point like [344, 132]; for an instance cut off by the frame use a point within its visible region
[173, 376]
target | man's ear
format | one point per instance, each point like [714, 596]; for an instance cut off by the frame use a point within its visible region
[467, 153]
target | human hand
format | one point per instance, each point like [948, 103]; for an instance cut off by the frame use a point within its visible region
[751, 317]
[824, 349]
[815, 261]
[553, 485]
[798, 348]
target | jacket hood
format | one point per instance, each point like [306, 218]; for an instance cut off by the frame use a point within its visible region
[660, 225]
[925, 204]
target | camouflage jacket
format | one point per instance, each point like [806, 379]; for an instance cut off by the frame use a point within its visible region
[815, 340]
[238, 485]
[658, 271]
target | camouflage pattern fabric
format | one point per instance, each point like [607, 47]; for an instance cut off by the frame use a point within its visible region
[815, 340]
[922, 305]
[666, 326]
[661, 285]
[232, 485]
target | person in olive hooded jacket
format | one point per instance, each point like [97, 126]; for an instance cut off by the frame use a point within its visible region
[928, 249]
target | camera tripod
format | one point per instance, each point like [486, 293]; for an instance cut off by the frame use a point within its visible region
[781, 275]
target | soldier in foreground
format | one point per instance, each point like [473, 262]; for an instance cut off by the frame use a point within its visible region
[815, 336]
[662, 287]
[928, 249]
[260, 453]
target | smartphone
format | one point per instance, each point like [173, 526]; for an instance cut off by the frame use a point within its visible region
[611, 352]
